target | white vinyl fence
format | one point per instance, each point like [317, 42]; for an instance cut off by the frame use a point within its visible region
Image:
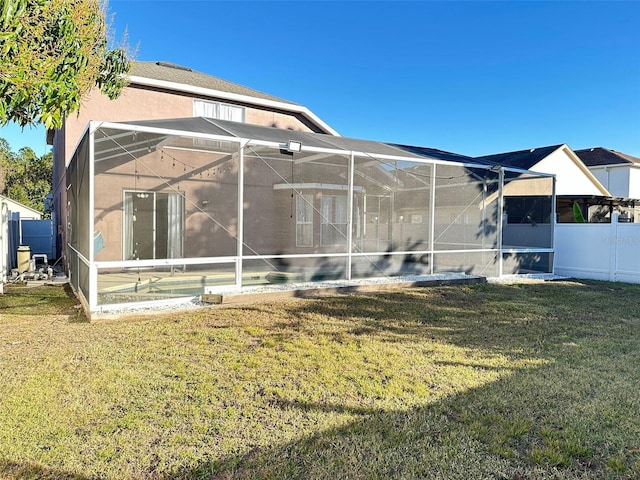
[599, 251]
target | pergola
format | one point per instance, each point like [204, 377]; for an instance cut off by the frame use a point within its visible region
[163, 211]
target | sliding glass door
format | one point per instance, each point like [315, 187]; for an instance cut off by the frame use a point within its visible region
[153, 225]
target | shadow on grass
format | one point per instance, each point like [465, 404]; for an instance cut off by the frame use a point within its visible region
[31, 471]
[560, 417]
[42, 300]
[464, 436]
[568, 412]
[462, 316]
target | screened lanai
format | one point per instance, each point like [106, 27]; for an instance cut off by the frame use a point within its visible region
[164, 211]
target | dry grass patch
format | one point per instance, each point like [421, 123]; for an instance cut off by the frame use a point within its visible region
[483, 381]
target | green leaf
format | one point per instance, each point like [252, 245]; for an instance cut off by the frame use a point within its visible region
[51, 54]
[577, 214]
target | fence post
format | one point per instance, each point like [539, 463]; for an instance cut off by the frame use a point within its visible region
[613, 248]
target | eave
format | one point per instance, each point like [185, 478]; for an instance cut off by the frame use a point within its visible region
[235, 97]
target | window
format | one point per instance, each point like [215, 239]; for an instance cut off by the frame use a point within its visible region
[532, 209]
[304, 220]
[221, 111]
[334, 220]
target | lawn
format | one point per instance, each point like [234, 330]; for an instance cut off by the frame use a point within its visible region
[527, 381]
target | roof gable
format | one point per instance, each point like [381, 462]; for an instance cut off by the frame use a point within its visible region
[572, 176]
[522, 159]
[594, 157]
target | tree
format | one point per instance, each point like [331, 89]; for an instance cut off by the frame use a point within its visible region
[6, 156]
[52, 52]
[27, 177]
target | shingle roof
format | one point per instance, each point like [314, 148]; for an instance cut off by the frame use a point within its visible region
[593, 157]
[169, 72]
[435, 153]
[524, 159]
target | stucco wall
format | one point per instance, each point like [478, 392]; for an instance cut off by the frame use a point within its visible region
[634, 182]
[618, 180]
[142, 103]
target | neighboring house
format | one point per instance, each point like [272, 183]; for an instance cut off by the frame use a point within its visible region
[606, 251]
[575, 183]
[159, 90]
[618, 172]
[11, 214]
[25, 212]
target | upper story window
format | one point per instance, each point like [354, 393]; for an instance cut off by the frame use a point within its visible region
[221, 111]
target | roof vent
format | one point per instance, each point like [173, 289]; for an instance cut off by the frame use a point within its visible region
[173, 65]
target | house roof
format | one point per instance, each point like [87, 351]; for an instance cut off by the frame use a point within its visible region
[169, 72]
[523, 159]
[594, 157]
[176, 78]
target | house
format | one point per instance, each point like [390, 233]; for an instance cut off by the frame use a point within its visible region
[188, 185]
[620, 174]
[11, 215]
[23, 211]
[158, 90]
[575, 184]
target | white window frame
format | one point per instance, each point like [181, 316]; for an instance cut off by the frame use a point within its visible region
[211, 109]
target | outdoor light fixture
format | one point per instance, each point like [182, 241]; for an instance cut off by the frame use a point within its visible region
[293, 146]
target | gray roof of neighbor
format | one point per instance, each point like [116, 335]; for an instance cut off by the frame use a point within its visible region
[169, 72]
[593, 157]
[523, 159]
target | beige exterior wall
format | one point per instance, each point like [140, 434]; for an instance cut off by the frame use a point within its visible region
[286, 121]
[143, 103]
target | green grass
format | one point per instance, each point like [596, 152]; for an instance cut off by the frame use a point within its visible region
[530, 381]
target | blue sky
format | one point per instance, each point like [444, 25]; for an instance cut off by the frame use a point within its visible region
[469, 77]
